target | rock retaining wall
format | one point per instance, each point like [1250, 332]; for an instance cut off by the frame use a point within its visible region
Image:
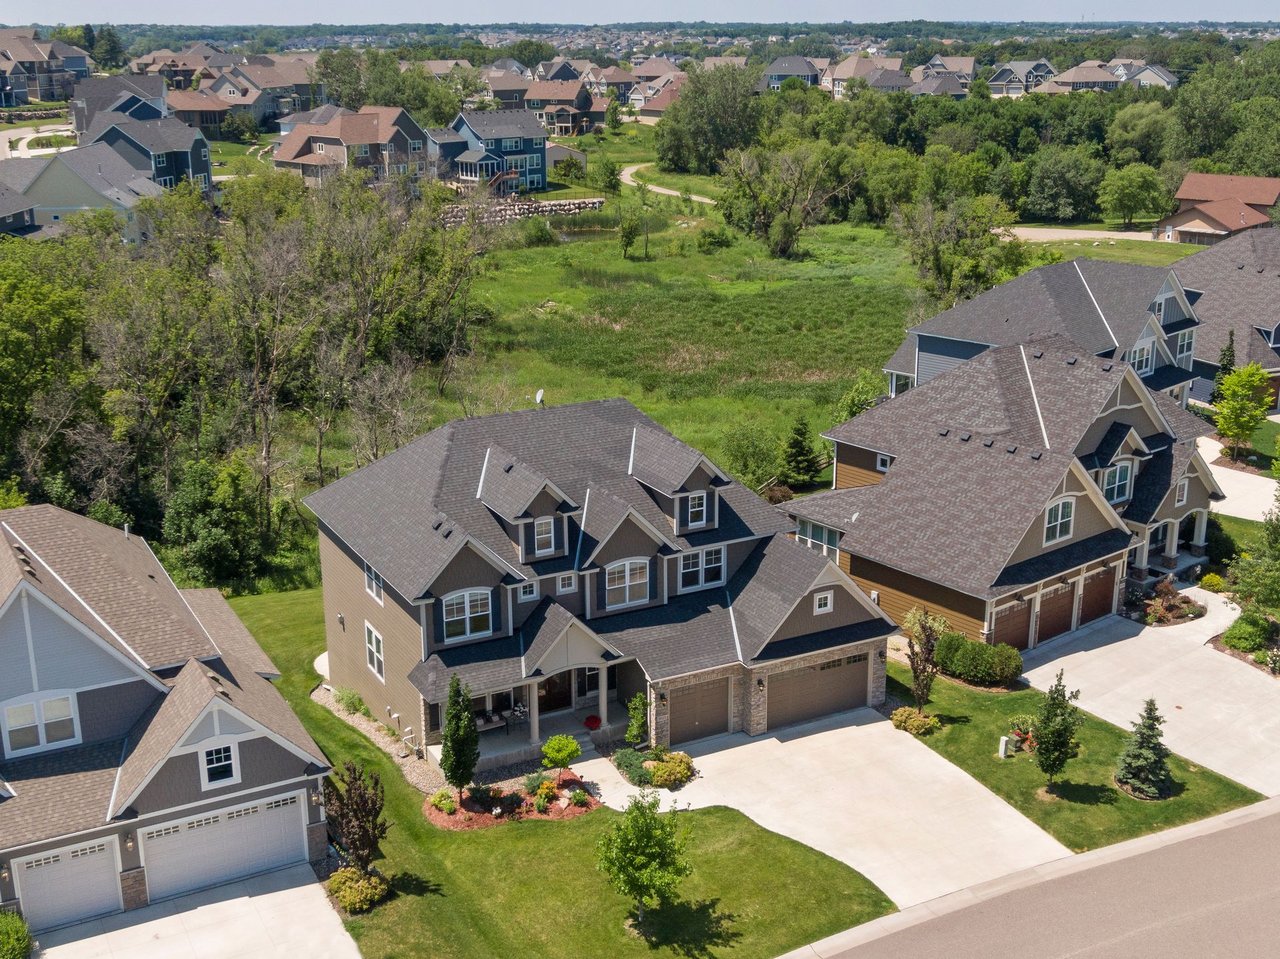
[24, 116]
[509, 211]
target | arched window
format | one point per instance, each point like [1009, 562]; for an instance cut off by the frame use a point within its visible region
[468, 614]
[626, 583]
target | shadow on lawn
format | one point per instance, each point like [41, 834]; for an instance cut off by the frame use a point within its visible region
[691, 929]
[1086, 794]
[409, 884]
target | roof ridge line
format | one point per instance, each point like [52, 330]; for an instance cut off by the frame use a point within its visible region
[1101, 315]
[1034, 399]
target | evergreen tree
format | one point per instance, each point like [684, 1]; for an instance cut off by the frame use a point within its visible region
[1226, 365]
[1056, 725]
[90, 38]
[800, 461]
[1144, 765]
[108, 51]
[460, 740]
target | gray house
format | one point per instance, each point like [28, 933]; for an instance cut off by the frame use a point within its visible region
[141, 98]
[784, 68]
[144, 752]
[506, 150]
[166, 150]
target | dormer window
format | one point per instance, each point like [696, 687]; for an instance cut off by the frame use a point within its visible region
[1184, 344]
[1057, 521]
[705, 568]
[626, 583]
[1116, 482]
[1160, 309]
[1141, 359]
[40, 723]
[372, 582]
[468, 615]
[883, 462]
[544, 535]
[697, 509]
[219, 766]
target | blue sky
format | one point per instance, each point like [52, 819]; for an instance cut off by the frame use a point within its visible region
[592, 11]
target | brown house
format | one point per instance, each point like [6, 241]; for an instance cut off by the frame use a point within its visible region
[1212, 207]
[143, 751]
[386, 141]
[560, 561]
[1013, 493]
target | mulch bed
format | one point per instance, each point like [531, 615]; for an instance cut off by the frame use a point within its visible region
[1260, 467]
[1244, 657]
[515, 805]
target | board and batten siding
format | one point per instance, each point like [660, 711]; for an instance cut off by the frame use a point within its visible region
[801, 621]
[342, 574]
[177, 782]
[899, 593]
[856, 466]
[935, 355]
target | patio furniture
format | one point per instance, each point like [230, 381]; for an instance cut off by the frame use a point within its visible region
[487, 721]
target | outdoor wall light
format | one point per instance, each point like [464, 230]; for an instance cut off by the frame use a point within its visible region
[128, 841]
[662, 699]
[315, 796]
[4, 872]
[760, 684]
[880, 654]
[342, 621]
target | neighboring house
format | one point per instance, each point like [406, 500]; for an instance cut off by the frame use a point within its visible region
[506, 88]
[566, 559]
[439, 69]
[887, 81]
[560, 105]
[838, 78]
[785, 68]
[962, 69]
[610, 82]
[654, 106]
[144, 753]
[13, 83]
[316, 117]
[1240, 280]
[199, 109]
[558, 153]
[49, 69]
[296, 73]
[184, 68]
[941, 86]
[1016, 78]
[1152, 75]
[141, 98]
[646, 91]
[166, 150]
[653, 68]
[1212, 206]
[386, 141]
[714, 63]
[1141, 314]
[18, 214]
[506, 150]
[508, 65]
[1121, 68]
[1085, 76]
[1012, 493]
[93, 177]
[557, 69]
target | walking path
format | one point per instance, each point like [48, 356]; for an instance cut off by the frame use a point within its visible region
[1043, 234]
[1248, 496]
[628, 177]
[24, 136]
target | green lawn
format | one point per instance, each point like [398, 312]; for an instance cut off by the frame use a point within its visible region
[692, 183]
[1141, 224]
[532, 889]
[223, 151]
[1246, 532]
[1089, 811]
[632, 144]
[1142, 252]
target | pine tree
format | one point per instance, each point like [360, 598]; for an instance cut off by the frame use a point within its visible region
[108, 51]
[460, 740]
[1056, 726]
[1226, 364]
[90, 38]
[1144, 765]
[800, 461]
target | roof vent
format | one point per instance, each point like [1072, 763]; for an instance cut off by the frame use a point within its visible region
[436, 525]
[1011, 449]
[988, 443]
[446, 533]
[943, 432]
[965, 437]
[507, 468]
[1106, 367]
[1038, 354]
[1071, 361]
[1035, 456]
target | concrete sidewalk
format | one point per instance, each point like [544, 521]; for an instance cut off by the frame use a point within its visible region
[1248, 496]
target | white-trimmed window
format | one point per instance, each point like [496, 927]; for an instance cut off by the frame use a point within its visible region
[544, 535]
[468, 614]
[697, 509]
[204, 153]
[415, 146]
[1141, 359]
[1184, 487]
[529, 591]
[1057, 521]
[704, 568]
[821, 538]
[219, 766]
[319, 148]
[40, 722]
[883, 462]
[162, 159]
[626, 583]
[1116, 482]
[373, 651]
[566, 583]
[823, 602]
[372, 582]
[1185, 344]
[1160, 308]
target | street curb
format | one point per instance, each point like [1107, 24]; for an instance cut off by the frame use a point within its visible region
[837, 945]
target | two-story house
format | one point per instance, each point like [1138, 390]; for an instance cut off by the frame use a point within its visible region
[785, 68]
[610, 82]
[1084, 76]
[1012, 493]
[141, 98]
[962, 69]
[1214, 206]
[506, 88]
[654, 67]
[1014, 78]
[560, 561]
[1141, 314]
[50, 68]
[166, 150]
[386, 141]
[506, 150]
[840, 77]
[17, 213]
[143, 750]
[560, 105]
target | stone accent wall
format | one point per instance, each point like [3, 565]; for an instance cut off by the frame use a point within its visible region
[317, 841]
[22, 116]
[133, 887]
[508, 211]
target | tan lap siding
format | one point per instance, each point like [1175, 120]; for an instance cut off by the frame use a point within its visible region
[260, 763]
[855, 466]
[900, 593]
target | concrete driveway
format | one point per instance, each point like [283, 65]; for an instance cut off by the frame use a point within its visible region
[1247, 496]
[860, 791]
[1218, 711]
[282, 915]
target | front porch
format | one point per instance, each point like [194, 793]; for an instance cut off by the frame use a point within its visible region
[1170, 548]
[518, 741]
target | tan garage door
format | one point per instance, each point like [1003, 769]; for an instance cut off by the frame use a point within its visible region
[1099, 594]
[817, 690]
[1056, 607]
[701, 710]
[1013, 625]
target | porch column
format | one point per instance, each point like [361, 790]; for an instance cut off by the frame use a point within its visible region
[533, 713]
[1139, 568]
[1170, 558]
[603, 692]
[1200, 537]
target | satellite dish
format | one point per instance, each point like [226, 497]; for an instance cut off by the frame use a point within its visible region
[537, 397]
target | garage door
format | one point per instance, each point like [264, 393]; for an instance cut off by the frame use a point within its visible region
[1099, 594]
[698, 711]
[1056, 607]
[223, 846]
[816, 691]
[69, 885]
[1013, 625]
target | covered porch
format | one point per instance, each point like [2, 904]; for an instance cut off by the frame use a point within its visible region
[1169, 547]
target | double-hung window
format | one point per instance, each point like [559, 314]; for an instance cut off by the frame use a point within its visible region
[1184, 486]
[1141, 359]
[372, 582]
[40, 723]
[626, 583]
[544, 535]
[705, 568]
[1116, 482]
[415, 146]
[219, 765]
[697, 509]
[820, 538]
[1057, 521]
[468, 615]
[1185, 345]
[373, 651]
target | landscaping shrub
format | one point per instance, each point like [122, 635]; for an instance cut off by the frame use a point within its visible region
[578, 797]
[536, 231]
[541, 803]
[486, 796]
[547, 790]
[444, 801]
[15, 938]
[948, 645]
[1213, 582]
[533, 782]
[349, 700]
[1273, 661]
[631, 764]
[977, 663]
[917, 724]
[356, 891]
[714, 238]
[1250, 633]
[673, 771]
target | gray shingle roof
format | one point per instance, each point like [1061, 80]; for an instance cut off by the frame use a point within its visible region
[58, 793]
[490, 124]
[18, 173]
[108, 174]
[662, 462]
[508, 486]
[166, 135]
[11, 201]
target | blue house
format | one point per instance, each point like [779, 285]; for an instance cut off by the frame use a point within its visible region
[166, 150]
[506, 149]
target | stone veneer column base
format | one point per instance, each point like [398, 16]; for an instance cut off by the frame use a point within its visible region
[133, 888]
[317, 841]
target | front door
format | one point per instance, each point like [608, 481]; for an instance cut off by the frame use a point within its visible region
[556, 692]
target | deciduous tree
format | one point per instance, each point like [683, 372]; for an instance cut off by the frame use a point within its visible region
[1243, 401]
[923, 630]
[558, 752]
[643, 854]
[1056, 725]
[354, 801]
[1131, 190]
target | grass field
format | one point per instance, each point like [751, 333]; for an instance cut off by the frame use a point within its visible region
[1142, 252]
[1088, 810]
[691, 183]
[532, 889]
[1142, 224]
[632, 144]
[223, 151]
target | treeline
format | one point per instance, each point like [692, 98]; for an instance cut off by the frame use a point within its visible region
[353, 78]
[174, 384]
